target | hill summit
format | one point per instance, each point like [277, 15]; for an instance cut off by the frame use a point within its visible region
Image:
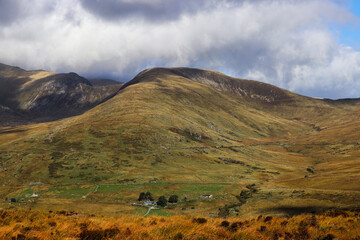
[244, 88]
[33, 96]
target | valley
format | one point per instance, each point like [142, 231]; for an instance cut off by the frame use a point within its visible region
[188, 132]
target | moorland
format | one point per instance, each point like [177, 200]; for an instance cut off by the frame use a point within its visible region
[69, 145]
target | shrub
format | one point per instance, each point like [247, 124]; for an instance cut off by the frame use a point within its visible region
[310, 170]
[178, 236]
[252, 188]
[262, 229]
[303, 232]
[284, 223]
[224, 211]
[52, 224]
[199, 220]
[313, 221]
[328, 237]
[276, 235]
[244, 195]
[19, 237]
[145, 196]
[141, 196]
[148, 196]
[162, 201]
[173, 199]
[288, 235]
[224, 224]
[268, 219]
[235, 226]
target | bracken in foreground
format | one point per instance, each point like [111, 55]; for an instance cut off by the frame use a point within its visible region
[28, 224]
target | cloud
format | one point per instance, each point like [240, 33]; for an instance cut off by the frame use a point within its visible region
[9, 10]
[19, 10]
[153, 10]
[287, 43]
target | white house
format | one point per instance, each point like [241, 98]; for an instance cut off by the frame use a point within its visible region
[206, 196]
[150, 203]
[35, 195]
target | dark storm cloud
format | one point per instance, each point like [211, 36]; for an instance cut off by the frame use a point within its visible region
[9, 11]
[19, 10]
[154, 10]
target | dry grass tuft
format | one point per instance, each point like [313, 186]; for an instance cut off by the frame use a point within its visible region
[29, 224]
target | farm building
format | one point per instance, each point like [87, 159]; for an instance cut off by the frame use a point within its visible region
[150, 203]
[206, 196]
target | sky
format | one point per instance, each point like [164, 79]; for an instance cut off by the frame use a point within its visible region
[311, 47]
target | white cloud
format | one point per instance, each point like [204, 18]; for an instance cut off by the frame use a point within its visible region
[286, 43]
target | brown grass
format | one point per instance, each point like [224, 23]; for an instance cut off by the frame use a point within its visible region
[29, 224]
[174, 129]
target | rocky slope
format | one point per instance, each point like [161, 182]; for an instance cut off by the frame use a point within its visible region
[35, 96]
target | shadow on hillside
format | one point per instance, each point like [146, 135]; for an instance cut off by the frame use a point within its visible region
[292, 211]
[11, 130]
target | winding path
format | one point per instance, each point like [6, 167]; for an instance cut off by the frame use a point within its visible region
[150, 208]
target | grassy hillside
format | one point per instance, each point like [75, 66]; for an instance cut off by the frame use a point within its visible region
[181, 127]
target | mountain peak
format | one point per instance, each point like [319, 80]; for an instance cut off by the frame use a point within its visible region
[37, 95]
[249, 89]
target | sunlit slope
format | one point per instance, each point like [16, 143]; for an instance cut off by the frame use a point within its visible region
[184, 125]
[160, 108]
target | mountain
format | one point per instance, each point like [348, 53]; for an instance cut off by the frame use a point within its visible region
[35, 96]
[103, 82]
[183, 126]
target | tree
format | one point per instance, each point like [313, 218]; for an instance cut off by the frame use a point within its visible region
[162, 201]
[141, 196]
[145, 197]
[173, 199]
[244, 196]
[148, 196]
[224, 211]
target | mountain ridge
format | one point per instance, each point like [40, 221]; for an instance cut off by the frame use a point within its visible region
[241, 87]
[39, 95]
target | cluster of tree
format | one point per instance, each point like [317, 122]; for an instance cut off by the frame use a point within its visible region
[145, 196]
[173, 199]
[246, 194]
[162, 201]
[242, 198]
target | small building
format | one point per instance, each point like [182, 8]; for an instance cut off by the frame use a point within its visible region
[35, 195]
[206, 196]
[150, 203]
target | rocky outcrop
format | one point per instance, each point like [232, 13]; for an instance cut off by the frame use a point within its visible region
[35, 96]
